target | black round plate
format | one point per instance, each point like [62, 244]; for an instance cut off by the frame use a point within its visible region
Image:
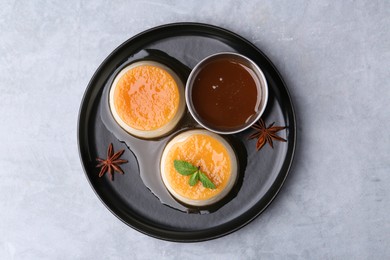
[131, 201]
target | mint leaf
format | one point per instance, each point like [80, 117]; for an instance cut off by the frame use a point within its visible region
[194, 178]
[184, 168]
[207, 183]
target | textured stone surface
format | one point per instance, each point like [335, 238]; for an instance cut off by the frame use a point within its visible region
[335, 59]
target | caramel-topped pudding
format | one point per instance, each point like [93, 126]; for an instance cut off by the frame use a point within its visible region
[147, 99]
[211, 155]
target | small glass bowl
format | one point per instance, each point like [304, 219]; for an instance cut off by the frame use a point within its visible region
[261, 84]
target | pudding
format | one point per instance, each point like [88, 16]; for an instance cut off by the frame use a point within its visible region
[147, 99]
[211, 155]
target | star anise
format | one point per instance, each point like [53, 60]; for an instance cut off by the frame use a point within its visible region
[111, 164]
[266, 134]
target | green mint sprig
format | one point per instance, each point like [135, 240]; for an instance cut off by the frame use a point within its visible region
[186, 168]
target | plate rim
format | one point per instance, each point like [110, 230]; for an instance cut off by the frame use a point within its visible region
[179, 236]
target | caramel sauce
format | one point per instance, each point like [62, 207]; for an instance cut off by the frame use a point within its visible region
[225, 94]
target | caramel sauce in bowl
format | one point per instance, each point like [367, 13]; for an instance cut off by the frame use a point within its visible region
[226, 93]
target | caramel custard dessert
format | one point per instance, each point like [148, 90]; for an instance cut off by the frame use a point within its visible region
[147, 99]
[203, 153]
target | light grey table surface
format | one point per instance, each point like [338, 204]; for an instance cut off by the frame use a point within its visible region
[335, 59]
